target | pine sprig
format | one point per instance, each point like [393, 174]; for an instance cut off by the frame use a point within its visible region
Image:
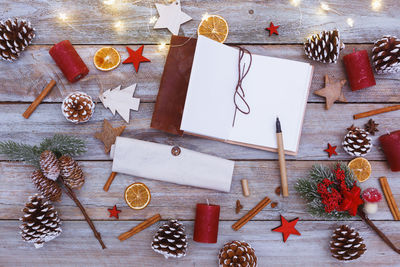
[58, 144]
[307, 188]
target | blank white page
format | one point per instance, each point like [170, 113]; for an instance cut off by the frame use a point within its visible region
[209, 101]
[273, 88]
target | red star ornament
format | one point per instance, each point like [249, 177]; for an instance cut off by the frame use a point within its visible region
[287, 228]
[351, 200]
[331, 150]
[114, 212]
[136, 57]
[272, 29]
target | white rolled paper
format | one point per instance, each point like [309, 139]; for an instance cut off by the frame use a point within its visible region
[155, 161]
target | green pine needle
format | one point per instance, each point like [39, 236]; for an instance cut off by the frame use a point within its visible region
[58, 144]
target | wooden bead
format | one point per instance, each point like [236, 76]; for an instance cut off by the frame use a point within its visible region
[245, 187]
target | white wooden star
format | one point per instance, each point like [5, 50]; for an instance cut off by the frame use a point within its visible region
[171, 17]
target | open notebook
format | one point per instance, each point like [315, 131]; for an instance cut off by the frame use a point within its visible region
[273, 88]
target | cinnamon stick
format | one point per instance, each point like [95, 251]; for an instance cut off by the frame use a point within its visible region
[109, 181]
[379, 232]
[140, 227]
[72, 195]
[389, 198]
[375, 112]
[250, 215]
[28, 112]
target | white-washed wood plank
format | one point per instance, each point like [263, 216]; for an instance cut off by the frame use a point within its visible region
[24, 79]
[77, 247]
[172, 200]
[320, 127]
[89, 22]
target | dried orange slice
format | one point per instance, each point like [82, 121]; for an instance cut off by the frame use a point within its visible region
[214, 27]
[361, 168]
[106, 58]
[137, 196]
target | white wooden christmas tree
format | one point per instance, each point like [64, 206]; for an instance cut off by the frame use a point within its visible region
[121, 101]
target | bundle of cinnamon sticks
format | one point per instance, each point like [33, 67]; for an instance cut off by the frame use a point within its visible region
[250, 215]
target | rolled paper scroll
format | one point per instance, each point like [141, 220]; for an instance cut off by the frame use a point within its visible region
[161, 162]
[68, 60]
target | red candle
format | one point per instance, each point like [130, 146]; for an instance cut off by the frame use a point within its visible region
[68, 60]
[359, 70]
[391, 147]
[206, 223]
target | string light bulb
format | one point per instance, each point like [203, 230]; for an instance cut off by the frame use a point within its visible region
[205, 16]
[62, 16]
[325, 6]
[295, 2]
[350, 22]
[153, 20]
[162, 46]
[376, 5]
[109, 2]
[119, 25]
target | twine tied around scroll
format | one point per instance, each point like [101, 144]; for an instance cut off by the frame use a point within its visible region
[239, 94]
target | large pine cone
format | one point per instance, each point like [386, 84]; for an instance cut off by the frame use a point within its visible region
[386, 55]
[40, 221]
[324, 47]
[237, 254]
[48, 188]
[346, 244]
[71, 172]
[49, 165]
[15, 36]
[357, 142]
[170, 240]
[78, 107]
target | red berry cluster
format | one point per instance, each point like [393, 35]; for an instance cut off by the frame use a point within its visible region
[330, 191]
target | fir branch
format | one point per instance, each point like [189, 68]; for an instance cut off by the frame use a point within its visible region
[21, 152]
[63, 145]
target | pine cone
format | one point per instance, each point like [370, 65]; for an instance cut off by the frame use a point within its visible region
[357, 142]
[237, 254]
[78, 107]
[346, 244]
[49, 165]
[71, 172]
[324, 47]
[48, 188]
[170, 240]
[40, 221]
[386, 55]
[15, 36]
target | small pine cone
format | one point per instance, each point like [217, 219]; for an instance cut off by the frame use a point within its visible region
[357, 142]
[78, 107]
[237, 254]
[386, 55]
[324, 47]
[71, 172]
[347, 244]
[40, 222]
[15, 36]
[49, 165]
[170, 240]
[48, 188]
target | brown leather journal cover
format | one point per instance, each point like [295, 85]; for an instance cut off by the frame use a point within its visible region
[168, 111]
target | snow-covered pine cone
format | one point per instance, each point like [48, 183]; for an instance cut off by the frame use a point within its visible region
[237, 254]
[324, 47]
[49, 165]
[71, 172]
[386, 55]
[357, 142]
[347, 244]
[48, 188]
[78, 107]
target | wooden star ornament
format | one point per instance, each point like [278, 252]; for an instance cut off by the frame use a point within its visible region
[109, 134]
[272, 29]
[114, 212]
[135, 57]
[332, 91]
[331, 150]
[171, 17]
[287, 228]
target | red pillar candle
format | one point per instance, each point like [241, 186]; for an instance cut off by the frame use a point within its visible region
[68, 60]
[359, 70]
[206, 223]
[391, 147]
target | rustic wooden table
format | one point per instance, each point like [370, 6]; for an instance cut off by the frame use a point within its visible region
[90, 25]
